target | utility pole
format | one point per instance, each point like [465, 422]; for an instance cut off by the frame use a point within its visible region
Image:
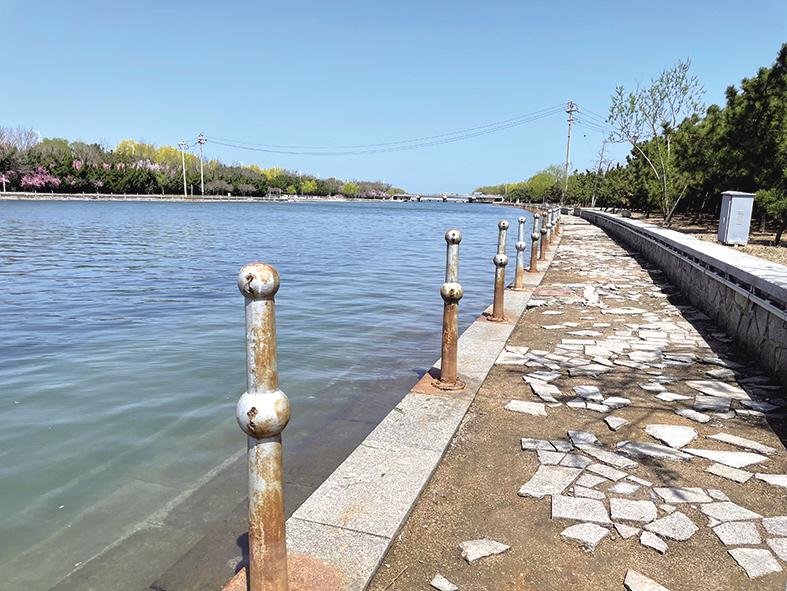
[201, 139]
[598, 173]
[3, 182]
[570, 109]
[183, 145]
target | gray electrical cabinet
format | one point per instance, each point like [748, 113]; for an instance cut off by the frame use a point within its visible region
[735, 217]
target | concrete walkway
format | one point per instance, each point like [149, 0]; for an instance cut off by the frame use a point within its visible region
[621, 441]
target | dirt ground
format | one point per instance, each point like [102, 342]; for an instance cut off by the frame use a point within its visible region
[760, 243]
[473, 493]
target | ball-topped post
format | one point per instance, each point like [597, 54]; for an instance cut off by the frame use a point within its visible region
[451, 292]
[519, 273]
[500, 260]
[534, 247]
[263, 412]
[543, 231]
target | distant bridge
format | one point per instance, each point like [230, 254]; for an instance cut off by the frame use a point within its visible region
[449, 197]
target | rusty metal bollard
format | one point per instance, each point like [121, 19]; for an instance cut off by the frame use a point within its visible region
[451, 292]
[550, 233]
[519, 274]
[262, 412]
[543, 250]
[534, 248]
[500, 260]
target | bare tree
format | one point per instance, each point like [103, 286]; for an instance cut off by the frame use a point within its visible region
[647, 118]
[21, 138]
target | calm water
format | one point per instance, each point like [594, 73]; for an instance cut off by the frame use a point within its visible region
[121, 352]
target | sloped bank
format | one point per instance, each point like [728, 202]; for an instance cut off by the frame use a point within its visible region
[744, 294]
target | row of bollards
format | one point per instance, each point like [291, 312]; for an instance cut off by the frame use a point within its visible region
[263, 410]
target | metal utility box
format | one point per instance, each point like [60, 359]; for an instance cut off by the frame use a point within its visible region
[735, 217]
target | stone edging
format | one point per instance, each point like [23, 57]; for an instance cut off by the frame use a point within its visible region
[348, 523]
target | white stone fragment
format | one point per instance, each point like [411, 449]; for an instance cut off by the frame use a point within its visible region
[651, 540]
[674, 495]
[718, 495]
[549, 480]
[652, 387]
[757, 562]
[728, 511]
[734, 459]
[561, 445]
[721, 374]
[587, 534]
[530, 408]
[626, 531]
[744, 443]
[776, 526]
[440, 583]
[714, 388]
[607, 457]
[576, 403]
[594, 406]
[474, 550]
[779, 546]
[606, 471]
[738, 533]
[615, 423]
[588, 493]
[640, 449]
[675, 526]
[667, 508]
[579, 509]
[739, 476]
[583, 437]
[692, 415]
[615, 402]
[703, 402]
[590, 480]
[624, 488]
[676, 436]
[544, 391]
[575, 461]
[550, 458]
[774, 479]
[638, 582]
[640, 481]
[541, 376]
[589, 393]
[629, 510]
[535, 444]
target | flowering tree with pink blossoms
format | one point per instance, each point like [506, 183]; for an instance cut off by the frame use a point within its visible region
[39, 179]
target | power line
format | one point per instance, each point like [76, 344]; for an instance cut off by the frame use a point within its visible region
[396, 146]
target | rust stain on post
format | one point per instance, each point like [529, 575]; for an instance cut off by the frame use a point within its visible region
[451, 292]
[500, 260]
[263, 412]
[543, 251]
[519, 274]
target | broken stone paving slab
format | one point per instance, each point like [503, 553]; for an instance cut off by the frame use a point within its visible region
[626, 531]
[757, 562]
[590, 480]
[728, 511]
[734, 474]
[738, 533]
[588, 493]
[510, 358]
[638, 582]
[776, 526]
[596, 407]
[550, 458]
[734, 459]
[474, 550]
[587, 534]
[652, 387]
[676, 436]
[575, 461]
[583, 437]
[529, 444]
[774, 479]
[651, 540]
[622, 311]
[624, 488]
[544, 391]
[530, 408]
[606, 471]
[671, 397]
[440, 583]
[591, 370]
[760, 405]
[549, 480]
[607, 457]
[744, 443]
[721, 374]
[579, 509]
[674, 495]
[576, 403]
[615, 423]
[692, 415]
[779, 546]
[675, 526]
[720, 389]
[561, 445]
[640, 449]
[703, 402]
[541, 376]
[615, 402]
[629, 510]
[589, 393]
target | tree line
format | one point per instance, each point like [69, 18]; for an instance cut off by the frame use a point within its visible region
[682, 154]
[28, 163]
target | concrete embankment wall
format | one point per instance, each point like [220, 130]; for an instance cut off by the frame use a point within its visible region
[745, 295]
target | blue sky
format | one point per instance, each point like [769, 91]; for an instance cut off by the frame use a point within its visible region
[355, 72]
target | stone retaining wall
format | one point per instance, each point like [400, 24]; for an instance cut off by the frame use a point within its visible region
[745, 295]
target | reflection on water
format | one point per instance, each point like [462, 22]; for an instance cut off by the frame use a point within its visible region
[121, 353]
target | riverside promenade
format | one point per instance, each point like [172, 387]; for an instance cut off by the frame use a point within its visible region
[621, 440]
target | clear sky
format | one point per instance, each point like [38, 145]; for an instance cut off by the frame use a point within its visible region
[359, 72]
